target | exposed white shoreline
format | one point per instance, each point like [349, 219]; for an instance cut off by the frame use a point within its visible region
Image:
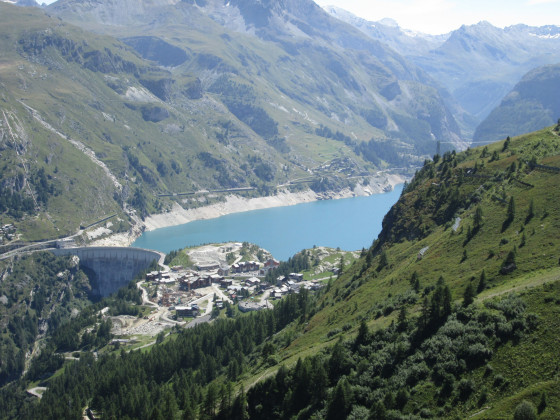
[236, 204]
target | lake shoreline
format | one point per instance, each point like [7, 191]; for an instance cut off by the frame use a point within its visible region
[236, 204]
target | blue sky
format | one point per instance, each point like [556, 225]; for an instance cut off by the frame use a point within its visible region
[442, 16]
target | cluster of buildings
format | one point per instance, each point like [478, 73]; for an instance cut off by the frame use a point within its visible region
[7, 232]
[180, 284]
[254, 267]
[291, 284]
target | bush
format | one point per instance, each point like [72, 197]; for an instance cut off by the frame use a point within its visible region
[476, 354]
[499, 380]
[525, 411]
[333, 332]
[465, 388]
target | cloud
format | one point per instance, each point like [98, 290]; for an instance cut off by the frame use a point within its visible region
[535, 2]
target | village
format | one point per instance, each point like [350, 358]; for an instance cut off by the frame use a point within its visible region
[199, 290]
[182, 290]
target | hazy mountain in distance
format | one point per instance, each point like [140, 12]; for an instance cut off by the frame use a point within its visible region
[532, 104]
[388, 31]
[479, 64]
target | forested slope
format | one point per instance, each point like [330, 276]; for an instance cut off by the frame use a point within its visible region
[453, 312]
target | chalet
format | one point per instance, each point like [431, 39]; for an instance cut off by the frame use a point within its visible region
[190, 283]
[225, 283]
[223, 271]
[316, 286]
[208, 267]
[167, 279]
[294, 288]
[215, 278]
[279, 292]
[296, 277]
[253, 281]
[237, 291]
[269, 264]
[245, 267]
[183, 311]
[152, 276]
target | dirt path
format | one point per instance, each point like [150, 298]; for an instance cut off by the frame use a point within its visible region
[548, 277]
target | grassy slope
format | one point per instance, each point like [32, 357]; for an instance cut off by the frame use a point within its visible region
[374, 294]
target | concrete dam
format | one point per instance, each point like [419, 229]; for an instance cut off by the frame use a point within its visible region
[111, 267]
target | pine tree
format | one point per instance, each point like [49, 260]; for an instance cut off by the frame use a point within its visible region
[239, 407]
[447, 302]
[543, 402]
[468, 295]
[363, 334]
[478, 218]
[341, 401]
[506, 144]
[510, 214]
[402, 323]
[530, 212]
[511, 209]
[383, 260]
[481, 282]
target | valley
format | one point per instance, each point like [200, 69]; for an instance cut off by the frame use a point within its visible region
[352, 220]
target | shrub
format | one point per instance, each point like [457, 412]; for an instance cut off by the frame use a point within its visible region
[543, 402]
[476, 354]
[499, 380]
[333, 332]
[425, 413]
[525, 411]
[465, 388]
[483, 397]
[388, 309]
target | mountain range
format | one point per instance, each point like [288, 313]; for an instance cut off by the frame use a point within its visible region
[168, 97]
[478, 64]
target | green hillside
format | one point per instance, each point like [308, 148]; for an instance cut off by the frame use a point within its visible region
[453, 312]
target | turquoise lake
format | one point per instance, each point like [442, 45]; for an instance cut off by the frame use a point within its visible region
[350, 223]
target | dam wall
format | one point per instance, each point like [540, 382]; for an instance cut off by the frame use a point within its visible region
[111, 268]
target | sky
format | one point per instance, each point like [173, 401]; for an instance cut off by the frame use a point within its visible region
[442, 16]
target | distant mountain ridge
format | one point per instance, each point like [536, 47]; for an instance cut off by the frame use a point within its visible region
[478, 64]
[533, 103]
[388, 31]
